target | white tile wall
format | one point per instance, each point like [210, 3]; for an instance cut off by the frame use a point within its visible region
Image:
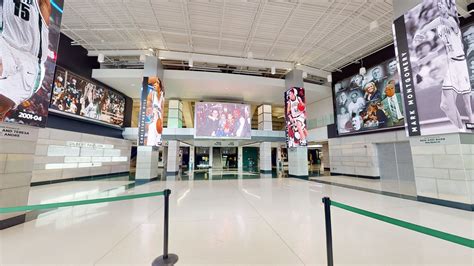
[16, 166]
[56, 158]
[147, 163]
[443, 167]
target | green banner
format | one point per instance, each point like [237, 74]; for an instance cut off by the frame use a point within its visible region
[414, 227]
[79, 202]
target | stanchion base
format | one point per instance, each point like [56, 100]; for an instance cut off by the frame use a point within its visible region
[170, 261]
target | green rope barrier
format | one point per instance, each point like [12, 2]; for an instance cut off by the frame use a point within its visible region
[79, 202]
[414, 227]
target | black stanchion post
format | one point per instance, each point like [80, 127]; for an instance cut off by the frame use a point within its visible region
[166, 258]
[327, 218]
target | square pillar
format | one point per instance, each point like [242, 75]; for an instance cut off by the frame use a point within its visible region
[17, 152]
[191, 157]
[297, 157]
[298, 162]
[173, 160]
[175, 114]
[279, 160]
[265, 117]
[240, 158]
[147, 163]
[265, 123]
[265, 157]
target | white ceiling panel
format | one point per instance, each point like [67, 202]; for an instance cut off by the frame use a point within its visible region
[325, 34]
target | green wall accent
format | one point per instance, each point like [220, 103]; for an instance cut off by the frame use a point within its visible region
[250, 153]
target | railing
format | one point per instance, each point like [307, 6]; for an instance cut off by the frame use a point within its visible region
[410, 226]
[165, 259]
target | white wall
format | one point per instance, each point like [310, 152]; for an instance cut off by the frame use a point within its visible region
[357, 155]
[64, 154]
[320, 113]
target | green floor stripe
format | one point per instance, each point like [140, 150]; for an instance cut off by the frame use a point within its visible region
[79, 202]
[414, 227]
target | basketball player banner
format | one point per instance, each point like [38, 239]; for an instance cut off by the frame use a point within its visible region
[433, 70]
[150, 127]
[30, 31]
[295, 118]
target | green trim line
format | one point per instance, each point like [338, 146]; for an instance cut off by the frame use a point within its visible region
[79, 202]
[414, 227]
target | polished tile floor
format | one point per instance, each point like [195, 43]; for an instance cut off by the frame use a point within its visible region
[244, 221]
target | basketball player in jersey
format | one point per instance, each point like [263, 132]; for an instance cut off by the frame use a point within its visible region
[456, 81]
[23, 50]
[156, 101]
[295, 108]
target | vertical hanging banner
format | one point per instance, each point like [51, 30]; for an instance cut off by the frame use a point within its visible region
[150, 127]
[433, 70]
[30, 31]
[295, 118]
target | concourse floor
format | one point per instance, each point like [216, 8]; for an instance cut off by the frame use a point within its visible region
[246, 220]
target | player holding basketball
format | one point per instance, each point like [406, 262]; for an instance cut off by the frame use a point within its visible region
[296, 115]
[456, 82]
[155, 101]
[23, 50]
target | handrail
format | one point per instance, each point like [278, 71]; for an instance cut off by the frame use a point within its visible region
[165, 259]
[463, 241]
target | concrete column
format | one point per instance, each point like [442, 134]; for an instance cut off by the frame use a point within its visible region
[17, 153]
[325, 160]
[148, 156]
[210, 157]
[265, 123]
[265, 157]
[173, 160]
[279, 160]
[147, 163]
[191, 157]
[297, 157]
[240, 158]
[265, 117]
[175, 114]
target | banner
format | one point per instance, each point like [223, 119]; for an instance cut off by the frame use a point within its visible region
[295, 118]
[222, 120]
[150, 127]
[29, 40]
[434, 72]
[370, 102]
[79, 96]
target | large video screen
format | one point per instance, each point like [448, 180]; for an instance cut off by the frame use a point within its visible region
[28, 46]
[150, 128]
[79, 96]
[371, 101]
[436, 85]
[295, 118]
[222, 120]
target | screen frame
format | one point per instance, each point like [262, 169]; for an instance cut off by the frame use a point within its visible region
[83, 118]
[364, 132]
[222, 138]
